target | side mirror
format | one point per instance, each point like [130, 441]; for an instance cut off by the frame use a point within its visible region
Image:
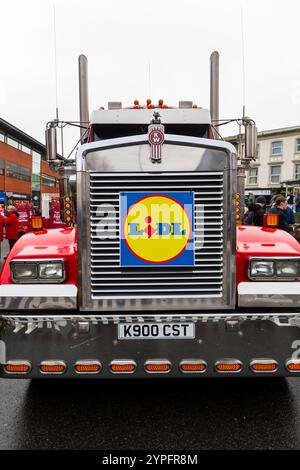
[51, 143]
[250, 139]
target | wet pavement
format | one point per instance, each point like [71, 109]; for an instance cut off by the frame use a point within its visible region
[150, 414]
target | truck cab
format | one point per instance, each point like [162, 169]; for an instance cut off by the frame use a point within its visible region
[157, 278]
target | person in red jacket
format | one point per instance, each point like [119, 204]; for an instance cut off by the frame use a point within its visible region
[12, 225]
[1, 236]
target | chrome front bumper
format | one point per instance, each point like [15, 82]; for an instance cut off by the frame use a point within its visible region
[38, 296]
[269, 294]
[219, 337]
[56, 297]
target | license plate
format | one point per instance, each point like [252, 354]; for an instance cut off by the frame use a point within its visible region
[156, 330]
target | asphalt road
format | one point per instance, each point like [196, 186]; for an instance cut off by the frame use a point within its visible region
[150, 414]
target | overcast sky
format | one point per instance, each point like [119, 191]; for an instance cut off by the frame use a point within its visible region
[121, 37]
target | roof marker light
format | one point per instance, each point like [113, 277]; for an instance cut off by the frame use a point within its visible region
[114, 105]
[185, 104]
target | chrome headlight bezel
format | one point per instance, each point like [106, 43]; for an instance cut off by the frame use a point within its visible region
[276, 276]
[37, 265]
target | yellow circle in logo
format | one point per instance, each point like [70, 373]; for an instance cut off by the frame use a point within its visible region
[157, 229]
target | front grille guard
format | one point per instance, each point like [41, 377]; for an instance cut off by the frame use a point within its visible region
[212, 188]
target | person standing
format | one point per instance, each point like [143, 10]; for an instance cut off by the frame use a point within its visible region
[12, 225]
[1, 236]
[259, 211]
[280, 208]
[297, 202]
[290, 199]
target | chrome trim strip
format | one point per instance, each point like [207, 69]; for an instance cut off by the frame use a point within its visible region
[87, 362]
[269, 294]
[143, 139]
[123, 362]
[193, 361]
[293, 319]
[15, 361]
[263, 361]
[38, 296]
[158, 362]
[228, 361]
[50, 363]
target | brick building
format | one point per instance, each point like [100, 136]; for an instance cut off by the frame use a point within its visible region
[24, 172]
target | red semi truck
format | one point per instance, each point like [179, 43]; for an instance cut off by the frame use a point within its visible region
[157, 279]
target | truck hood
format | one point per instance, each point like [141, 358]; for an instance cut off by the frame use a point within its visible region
[265, 241]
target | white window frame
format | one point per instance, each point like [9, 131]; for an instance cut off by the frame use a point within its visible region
[8, 138]
[275, 142]
[297, 145]
[297, 173]
[250, 177]
[275, 166]
[25, 149]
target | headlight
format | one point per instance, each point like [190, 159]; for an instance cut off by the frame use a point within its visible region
[51, 271]
[262, 268]
[286, 269]
[36, 271]
[24, 271]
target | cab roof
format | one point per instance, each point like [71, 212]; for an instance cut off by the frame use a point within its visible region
[145, 116]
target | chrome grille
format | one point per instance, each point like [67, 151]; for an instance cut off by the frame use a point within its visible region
[205, 279]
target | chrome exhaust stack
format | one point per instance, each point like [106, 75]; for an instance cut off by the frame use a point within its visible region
[83, 95]
[214, 87]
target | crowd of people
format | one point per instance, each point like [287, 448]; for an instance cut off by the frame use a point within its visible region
[11, 224]
[280, 205]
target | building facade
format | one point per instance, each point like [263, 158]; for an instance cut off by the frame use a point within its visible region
[24, 172]
[277, 167]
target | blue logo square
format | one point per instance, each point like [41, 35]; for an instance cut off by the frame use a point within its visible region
[157, 229]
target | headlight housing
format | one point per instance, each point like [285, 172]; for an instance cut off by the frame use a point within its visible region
[266, 269]
[37, 271]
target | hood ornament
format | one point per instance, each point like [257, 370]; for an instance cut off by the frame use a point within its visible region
[156, 137]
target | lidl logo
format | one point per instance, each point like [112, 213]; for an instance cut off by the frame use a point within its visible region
[157, 229]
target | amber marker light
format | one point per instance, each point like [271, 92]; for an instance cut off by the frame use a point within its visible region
[193, 366]
[17, 367]
[228, 366]
[293, 365]
[271, 220]
[52, 367]
[157, 366]
[263, 365]
[122, 367]
[87, 367]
